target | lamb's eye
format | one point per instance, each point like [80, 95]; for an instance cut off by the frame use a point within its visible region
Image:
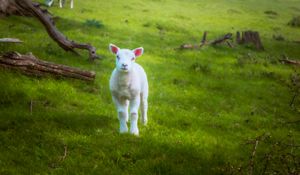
[118, 57]
[132, 58]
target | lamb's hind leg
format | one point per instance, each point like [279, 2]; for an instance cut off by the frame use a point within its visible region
[122, 109]
[134, 107]
[144, 108]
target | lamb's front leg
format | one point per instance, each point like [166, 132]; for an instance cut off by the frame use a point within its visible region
[134, 107]
[72, 4]
[49, 3]
[122, 109]
[60, 3]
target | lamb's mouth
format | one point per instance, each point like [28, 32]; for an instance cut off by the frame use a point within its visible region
[124, 69]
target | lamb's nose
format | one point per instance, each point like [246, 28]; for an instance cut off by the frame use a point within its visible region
[124, 65]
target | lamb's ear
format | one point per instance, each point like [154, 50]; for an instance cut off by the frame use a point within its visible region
[113, 48]
[138, 51]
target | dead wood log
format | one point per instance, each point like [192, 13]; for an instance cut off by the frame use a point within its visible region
[189, 46]
[250, 37]
[204, 41]
[10, 40]
[195, 46]
[28, 8]
[30, 65]
[222, 39]
[286, 60]
[229, 44]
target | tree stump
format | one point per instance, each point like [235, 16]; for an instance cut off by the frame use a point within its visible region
[249, 37]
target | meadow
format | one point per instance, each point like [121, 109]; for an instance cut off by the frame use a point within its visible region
[208, 107]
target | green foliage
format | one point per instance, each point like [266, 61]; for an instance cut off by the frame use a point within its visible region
[204, 105]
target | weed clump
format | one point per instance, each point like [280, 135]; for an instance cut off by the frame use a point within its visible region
[233, 11]
[278, 37]
[94, 23]
[179, 82]
[271, 12]
[204, 68]
[147, 24]
[295, 21]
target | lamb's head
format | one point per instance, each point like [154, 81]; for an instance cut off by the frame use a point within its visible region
[125, 57]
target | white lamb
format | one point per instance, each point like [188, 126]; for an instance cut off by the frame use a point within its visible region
[129, 87]
[61, 3]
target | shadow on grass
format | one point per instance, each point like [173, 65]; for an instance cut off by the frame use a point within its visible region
[35, 143]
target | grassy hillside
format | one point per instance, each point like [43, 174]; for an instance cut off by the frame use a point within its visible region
[204, 105]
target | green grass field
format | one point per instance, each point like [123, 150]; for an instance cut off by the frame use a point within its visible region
[204, 105]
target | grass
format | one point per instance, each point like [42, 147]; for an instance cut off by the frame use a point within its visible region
[203, 106]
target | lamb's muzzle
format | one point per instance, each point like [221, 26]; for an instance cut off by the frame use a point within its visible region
[129, 88]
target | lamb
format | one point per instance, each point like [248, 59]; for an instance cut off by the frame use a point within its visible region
[129, 88]
[61, 2]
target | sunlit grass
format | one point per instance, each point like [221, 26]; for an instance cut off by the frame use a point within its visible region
[203, 104]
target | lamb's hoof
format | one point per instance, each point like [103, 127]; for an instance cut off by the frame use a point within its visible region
[134, 132]
[123, 130]
[144, 122]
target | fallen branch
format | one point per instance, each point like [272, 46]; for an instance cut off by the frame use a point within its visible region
[288, 61]
[251, 164]
[30, 65]
[34, 102]
[273, 156]
[222, 39]
[62, 158]
[293, 100]
[10, 40]
[255, 142]
[28, 8]
[204, 41]
[229, 44]
[189, 46]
